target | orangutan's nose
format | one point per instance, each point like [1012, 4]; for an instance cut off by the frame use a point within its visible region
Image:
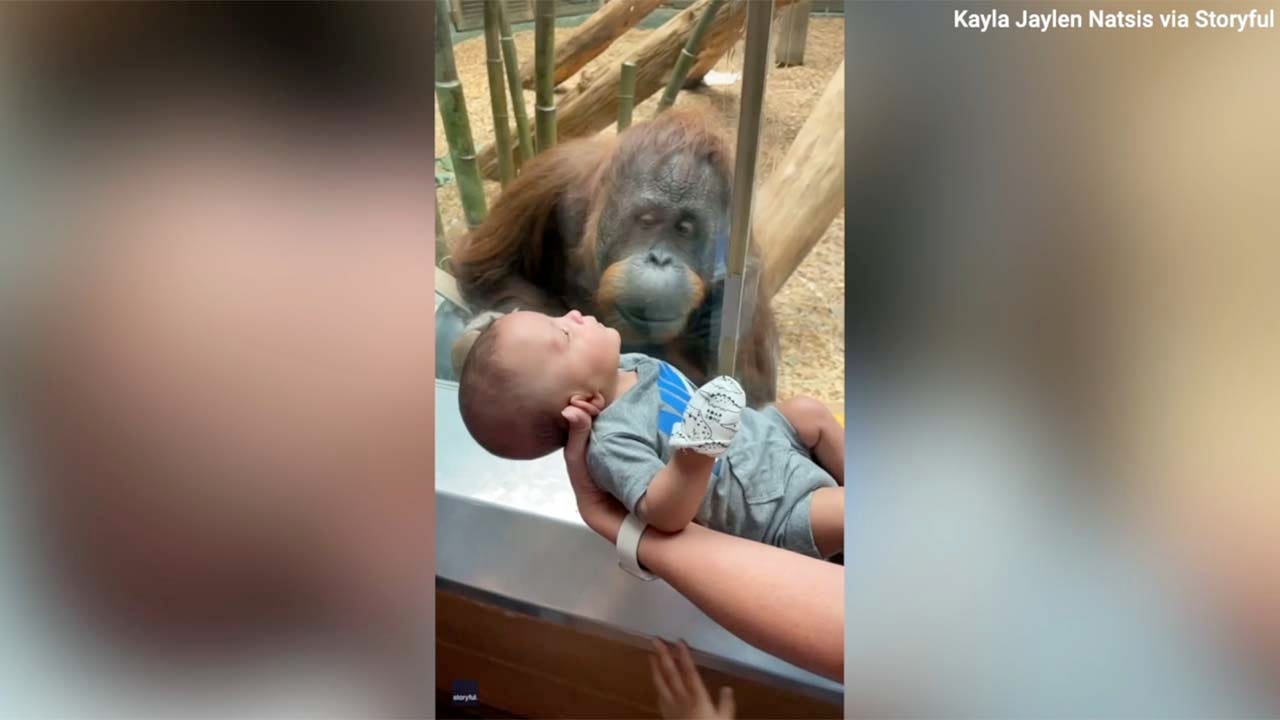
[659, 257]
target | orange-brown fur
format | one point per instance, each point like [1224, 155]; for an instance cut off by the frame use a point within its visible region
[517, 259]
[611, 283]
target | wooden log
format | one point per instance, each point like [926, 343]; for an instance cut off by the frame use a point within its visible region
[593, 37]
[688, 54]
[457, 124]
[805, 193]
[793, 30]
[705, 62]
[586, 110]
[544, 45]
[498, 91]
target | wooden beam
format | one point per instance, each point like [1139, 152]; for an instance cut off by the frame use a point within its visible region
[593, 37]
[806, 191]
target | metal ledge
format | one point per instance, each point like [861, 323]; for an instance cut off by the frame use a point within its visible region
[508, 532]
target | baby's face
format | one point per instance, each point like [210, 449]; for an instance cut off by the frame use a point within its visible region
[570, 353]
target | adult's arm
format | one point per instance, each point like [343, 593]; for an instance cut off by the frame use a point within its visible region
[784, 603]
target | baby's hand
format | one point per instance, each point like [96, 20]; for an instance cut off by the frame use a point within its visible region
[681, 694]
[710, 421]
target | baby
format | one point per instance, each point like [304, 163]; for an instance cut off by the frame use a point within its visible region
[670, 452]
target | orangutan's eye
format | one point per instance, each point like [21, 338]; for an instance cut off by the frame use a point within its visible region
[647, 220]
[684, 228]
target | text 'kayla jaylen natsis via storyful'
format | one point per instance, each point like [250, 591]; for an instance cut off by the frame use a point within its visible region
[1115, 20]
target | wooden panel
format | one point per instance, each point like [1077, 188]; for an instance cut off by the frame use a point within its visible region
[528, 693]
[576, 7]
[446, 709]
[536, 668]
[470, 13]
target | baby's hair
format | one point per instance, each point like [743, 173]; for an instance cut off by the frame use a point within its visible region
[500, 409]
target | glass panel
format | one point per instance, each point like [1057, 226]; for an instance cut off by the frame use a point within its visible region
[804, 318]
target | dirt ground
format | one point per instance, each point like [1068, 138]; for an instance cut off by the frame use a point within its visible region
[810, 307]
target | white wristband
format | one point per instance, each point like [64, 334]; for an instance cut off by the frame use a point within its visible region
[628, 543]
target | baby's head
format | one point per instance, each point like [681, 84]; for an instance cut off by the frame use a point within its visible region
[524, 370]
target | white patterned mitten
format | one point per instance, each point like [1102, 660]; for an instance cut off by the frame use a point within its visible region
[710, 421]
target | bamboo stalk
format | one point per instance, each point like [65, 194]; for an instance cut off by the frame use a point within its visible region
[457, 124]
[498, 92]
[544, 44]
[688, 54]
[442, 245]
[512, 64]
[626, 95]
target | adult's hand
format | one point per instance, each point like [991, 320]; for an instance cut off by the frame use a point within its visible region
[599, 510]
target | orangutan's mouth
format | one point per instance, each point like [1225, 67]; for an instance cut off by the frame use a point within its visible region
[662, 328]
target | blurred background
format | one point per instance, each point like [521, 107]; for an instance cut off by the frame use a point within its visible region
[1062, 381]
[217, 349]
[1064, 367]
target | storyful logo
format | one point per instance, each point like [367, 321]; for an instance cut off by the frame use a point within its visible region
[466, 692]
[1046, 20]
